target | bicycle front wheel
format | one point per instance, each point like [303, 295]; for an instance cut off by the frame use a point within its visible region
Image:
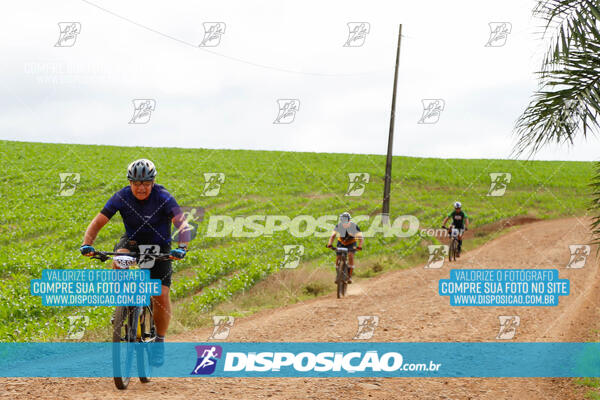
[340, 283]
[124, 338]
[342, 280]
[452, 250]
[147, 333]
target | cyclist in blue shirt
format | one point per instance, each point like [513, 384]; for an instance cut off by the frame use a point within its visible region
[147, 209]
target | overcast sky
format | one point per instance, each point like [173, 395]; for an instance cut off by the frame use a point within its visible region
[226, 96]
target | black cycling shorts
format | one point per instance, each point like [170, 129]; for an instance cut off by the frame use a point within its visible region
[162, 268]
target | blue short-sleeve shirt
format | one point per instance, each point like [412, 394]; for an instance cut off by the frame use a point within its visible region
[147, 221]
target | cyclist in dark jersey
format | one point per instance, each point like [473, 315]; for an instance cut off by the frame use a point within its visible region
[460, 221]
[147, 209]
[348, 233]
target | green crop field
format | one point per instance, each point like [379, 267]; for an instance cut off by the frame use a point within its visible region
[41, 230]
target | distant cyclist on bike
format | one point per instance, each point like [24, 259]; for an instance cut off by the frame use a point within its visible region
[147, 209]
[349, 233]
[460, 221]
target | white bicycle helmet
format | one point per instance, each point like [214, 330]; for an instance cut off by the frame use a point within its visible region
[457, 205]
[345, 217]
[141, 170]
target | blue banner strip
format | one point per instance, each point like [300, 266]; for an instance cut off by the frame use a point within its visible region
[350, 359]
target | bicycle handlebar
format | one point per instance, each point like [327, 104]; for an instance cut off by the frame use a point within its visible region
[104, 255]
[448, 228]
[338, 248]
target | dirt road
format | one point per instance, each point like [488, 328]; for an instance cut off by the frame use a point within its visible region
[409, 310]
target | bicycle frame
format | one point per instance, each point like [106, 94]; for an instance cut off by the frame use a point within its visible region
[137, 322]
[341, 267]
[454, 234]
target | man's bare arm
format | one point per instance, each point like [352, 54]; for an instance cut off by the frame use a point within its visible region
[93, 228]
[333, 235]
[183, 229]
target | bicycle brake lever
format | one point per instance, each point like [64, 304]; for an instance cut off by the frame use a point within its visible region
[100, 256]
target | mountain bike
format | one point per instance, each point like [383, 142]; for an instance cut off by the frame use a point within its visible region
[453, 251]
[132, 325]
[342, 270]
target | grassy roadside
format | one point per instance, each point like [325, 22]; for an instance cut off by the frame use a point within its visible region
[591, 382]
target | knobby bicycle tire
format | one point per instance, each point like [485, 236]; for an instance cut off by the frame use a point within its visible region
[147, 333]
[339, 278]
[342, 278]
[124, 330]
[452, 251]
[346, 276]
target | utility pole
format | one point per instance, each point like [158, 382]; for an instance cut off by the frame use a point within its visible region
[385, 210]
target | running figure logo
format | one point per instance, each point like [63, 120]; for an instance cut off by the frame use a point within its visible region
[223, 325]
[437, 255]
[500, 181]
[192, 215]
[68, 183]
[146, 252]
[498, 33]
[207, 359]
[579, 253]
[358, 183]
[142, 110]
[292, 255]
[508, 326]
[432, 109]
[68, 34]
[212, 183]
[568, 118]
[366, 326]
[212, 34]
[357, 33]
[77, 325]
[287, 111]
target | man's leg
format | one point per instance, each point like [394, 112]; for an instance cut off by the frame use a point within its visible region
[162, 312]
[161, 306]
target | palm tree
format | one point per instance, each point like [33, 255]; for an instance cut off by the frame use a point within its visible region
[567, 102]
